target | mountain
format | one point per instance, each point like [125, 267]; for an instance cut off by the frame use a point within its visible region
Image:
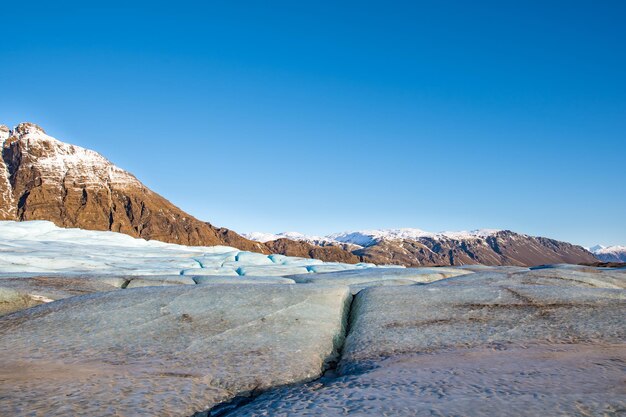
[42, 178]
[610, 253]
[415, 247]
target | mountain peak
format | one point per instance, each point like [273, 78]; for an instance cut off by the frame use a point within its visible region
[25, 128]
[43, 178]
[5, 132]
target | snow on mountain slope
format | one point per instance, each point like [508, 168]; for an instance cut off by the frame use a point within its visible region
[42, 178]
[365, 238]
[610, 253]
[56, 160]
[268, 237]
[42, 247]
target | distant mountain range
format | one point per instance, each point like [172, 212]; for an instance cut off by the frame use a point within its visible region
[42, 178]
[415, 247]
[609, 253]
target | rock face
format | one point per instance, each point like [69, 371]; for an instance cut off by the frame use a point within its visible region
[42, 178]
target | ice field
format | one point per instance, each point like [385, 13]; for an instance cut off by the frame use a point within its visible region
[98, 324]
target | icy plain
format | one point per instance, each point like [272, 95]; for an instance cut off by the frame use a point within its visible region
[98, 324]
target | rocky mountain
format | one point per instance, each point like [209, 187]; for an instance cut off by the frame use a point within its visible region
[610, 253]
[42, 178]
[415, 247]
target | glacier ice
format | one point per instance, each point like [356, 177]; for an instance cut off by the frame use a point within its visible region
[38, 247]
[226, 279]
[392, 320]
[146, 328]
[363, 275]
[522, 381]
[166, 350]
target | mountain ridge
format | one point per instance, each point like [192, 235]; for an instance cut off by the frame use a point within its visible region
[616, 253]
[416, 247]
[42, 178]
[46, 179]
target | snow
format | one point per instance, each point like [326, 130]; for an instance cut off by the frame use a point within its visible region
[268, 237]
[84, 166]
[5, 133]
[609, 254]
[41, 247]
[370, 237]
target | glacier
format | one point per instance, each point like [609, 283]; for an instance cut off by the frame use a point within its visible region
[100, 323]
[41, 247]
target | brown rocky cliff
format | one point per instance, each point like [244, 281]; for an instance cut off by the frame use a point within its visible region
[42, 178]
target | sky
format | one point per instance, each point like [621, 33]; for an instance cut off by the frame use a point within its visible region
[330, 116]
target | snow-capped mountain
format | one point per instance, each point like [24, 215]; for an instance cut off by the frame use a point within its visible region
[365, 238]
[297, 236]
[610, 253]
[42, 178]
[370, 237]
[416, 247]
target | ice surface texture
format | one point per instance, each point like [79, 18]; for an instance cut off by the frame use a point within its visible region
[475, 345]
[165, 350]
[542, 380]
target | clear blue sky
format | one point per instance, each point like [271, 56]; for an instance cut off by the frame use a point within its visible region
[320, 117]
